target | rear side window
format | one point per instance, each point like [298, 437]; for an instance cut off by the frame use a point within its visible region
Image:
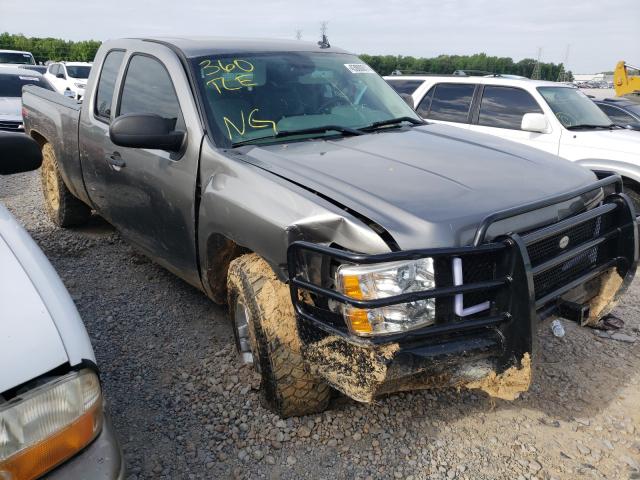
[148, 89]
[504, 107]
[448, 101]
[107, 83]
[405, 86]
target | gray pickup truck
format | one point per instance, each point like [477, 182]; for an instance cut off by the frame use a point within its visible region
[358, 248]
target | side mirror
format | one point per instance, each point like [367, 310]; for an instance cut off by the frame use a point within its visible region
[138, 130]
[60, 75]
[18, 153]
[408, 99]
[534, 122]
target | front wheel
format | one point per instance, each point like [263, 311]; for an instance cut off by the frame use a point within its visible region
[267, 336]
[62, 207]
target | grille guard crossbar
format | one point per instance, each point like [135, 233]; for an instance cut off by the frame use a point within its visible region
[514, 308]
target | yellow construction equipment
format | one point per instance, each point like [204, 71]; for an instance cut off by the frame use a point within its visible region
[624, 83]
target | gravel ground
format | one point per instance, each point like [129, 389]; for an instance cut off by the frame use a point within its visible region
[184, 407]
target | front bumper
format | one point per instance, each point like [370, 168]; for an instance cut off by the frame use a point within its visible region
[100, 460]
[524, 277]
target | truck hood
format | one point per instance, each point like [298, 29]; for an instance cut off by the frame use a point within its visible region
[41, 328]
[432, 182]
[608, 141]
[11, 109]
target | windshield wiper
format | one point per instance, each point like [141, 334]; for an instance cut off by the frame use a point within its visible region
[392, 121]
[303, 131]
[588, 126]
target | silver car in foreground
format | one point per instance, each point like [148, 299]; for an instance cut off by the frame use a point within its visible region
[52, 414]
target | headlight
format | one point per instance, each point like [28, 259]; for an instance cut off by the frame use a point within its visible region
[368, 282]
[49, 424]
[80, 85]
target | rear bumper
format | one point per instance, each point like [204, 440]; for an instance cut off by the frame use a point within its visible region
[101, 460]
[529, 277]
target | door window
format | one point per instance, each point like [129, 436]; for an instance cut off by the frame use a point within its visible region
[148, 89]
[107, 83]
[504, 107]
[449, 102]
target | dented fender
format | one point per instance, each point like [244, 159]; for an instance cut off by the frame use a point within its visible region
[263, 213]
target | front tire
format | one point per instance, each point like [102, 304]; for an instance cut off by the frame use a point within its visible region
[262, 315]
[62, 207]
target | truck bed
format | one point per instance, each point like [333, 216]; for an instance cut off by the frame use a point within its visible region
[53, 118]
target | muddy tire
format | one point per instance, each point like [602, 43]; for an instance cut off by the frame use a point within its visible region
[62, 207]
[255, 292]
[634, 195]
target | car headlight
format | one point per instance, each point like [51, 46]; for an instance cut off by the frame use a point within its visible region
[80, 85]
[47, 425]
[368, 282]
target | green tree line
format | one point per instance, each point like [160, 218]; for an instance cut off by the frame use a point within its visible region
[56, 49]
[44, 49]
[447, 64]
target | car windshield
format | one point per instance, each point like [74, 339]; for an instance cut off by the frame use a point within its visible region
[11, 85]
[18, 58]
[78, 71]
[254, 97]
[573, 108]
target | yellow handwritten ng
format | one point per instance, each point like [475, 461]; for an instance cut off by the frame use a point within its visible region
[253, 123]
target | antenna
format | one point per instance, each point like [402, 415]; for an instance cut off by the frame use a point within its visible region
[324, 42]
[298, 34]
[536, 70]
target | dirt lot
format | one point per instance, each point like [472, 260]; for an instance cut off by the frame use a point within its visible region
[185, 408]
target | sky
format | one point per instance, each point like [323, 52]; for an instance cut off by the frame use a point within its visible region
[598, 33]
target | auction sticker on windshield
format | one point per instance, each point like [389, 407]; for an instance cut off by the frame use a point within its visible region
[358, 68]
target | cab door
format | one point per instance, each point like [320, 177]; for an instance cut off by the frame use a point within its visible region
[149, 194]
[500, 114]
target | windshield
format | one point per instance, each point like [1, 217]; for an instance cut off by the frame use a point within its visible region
[573, 108]
[11, 85]
[17, 58]
[252, 96]
[76, 71]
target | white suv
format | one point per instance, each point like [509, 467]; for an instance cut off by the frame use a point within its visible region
[554, 117]
[69, 78]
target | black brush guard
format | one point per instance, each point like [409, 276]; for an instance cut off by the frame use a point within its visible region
[606, 238]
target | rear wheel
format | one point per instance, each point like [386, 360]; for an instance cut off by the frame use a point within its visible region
[267, 337]
[62, 207]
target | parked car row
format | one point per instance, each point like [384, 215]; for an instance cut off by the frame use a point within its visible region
[67, 78]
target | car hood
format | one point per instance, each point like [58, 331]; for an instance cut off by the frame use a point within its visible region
[11, 109]
[41, 328]
[428, 185]
[617, 140]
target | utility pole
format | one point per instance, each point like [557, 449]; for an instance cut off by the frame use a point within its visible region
[562, 75]
[298, 34]
[537, 69]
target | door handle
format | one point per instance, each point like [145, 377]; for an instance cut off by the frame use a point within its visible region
[115, 160]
